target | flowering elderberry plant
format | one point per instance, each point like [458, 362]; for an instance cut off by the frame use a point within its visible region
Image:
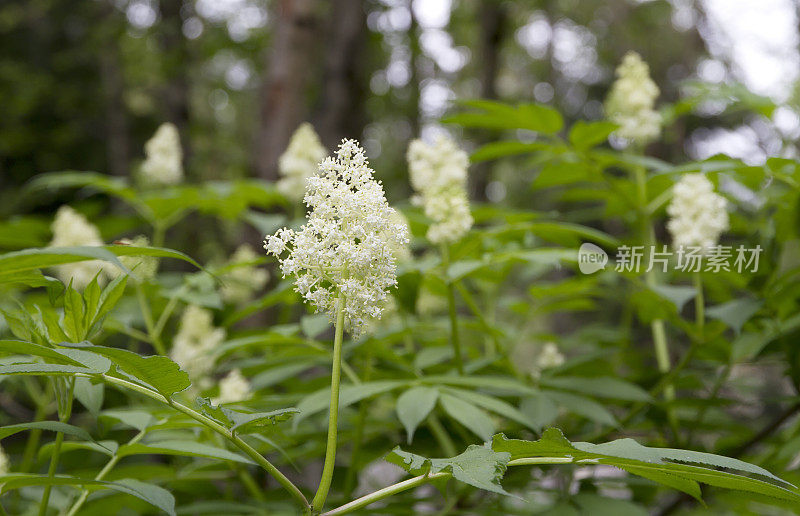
[344, 252]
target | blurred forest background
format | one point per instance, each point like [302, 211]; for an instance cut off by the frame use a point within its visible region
[85, 84]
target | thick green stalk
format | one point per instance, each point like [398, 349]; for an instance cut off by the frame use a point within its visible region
[101, 475]
[424, 479]
[64, 396]
[451, 305]
[352, 469]
[216, 427]
[441, 435]
[656, 326]
[333, 413]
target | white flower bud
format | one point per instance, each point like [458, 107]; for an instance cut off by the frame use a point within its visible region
[345, 247]
[234, 387]
[299, 161]
[71, 229]
[439, 176]
[195, 342]
[631, 101]
[143, 267]
[163, 164]
[242, 281]
[698, 215]
[549, 356]
[5, 464]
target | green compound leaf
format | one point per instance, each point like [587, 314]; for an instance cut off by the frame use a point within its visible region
[478, 466]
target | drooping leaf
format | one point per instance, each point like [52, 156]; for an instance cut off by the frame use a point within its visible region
[181, 447]
[413, 406]
[474, 419]
[601, 386]
[348, 394]
[39, 258]
[154, 495]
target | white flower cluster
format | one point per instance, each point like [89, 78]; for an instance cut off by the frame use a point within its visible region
[71, 229]
[345, 248]
[549, 356]
[164, 156]
[439, 176]
[195, 342]
[4, 463]
[300, 161]
[234, 387]
[144, 267]
[697, 214]
[242, 278]
[631, 101]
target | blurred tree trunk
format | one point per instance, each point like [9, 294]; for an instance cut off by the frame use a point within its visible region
[340, 111]
[176, 62]
[414, 80]
[493, 20]
[285, 88]
[117, 135]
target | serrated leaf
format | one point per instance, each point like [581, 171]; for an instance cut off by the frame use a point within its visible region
[29, 348]
[413, 406]
[478, 466]
[245, 423]
[159, 372]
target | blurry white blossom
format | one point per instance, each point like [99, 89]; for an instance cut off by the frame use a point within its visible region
[195, 342]
[299, 161]
[143, 267]
[164, 156]
[549, 356]
[243, 278]
[698, 215]
[234, 387]
[439, 176]
[71, 229]
[5, 464]
[631, 101]
[345, 248]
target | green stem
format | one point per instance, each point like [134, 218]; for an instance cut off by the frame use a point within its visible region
[699, 305]
[216, 427]
[102, 474]
[352, 469]
[424, 479]
[33, 439]
[656, 326]
[451, 305]
[159, 231]
[64, 413]
[333, 412]
[441, 435]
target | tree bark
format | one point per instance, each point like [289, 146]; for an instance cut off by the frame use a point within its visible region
[492, 15]
[285, 88]
[176, 62]
[340, 111]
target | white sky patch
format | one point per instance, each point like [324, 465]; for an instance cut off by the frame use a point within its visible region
[760, 38]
